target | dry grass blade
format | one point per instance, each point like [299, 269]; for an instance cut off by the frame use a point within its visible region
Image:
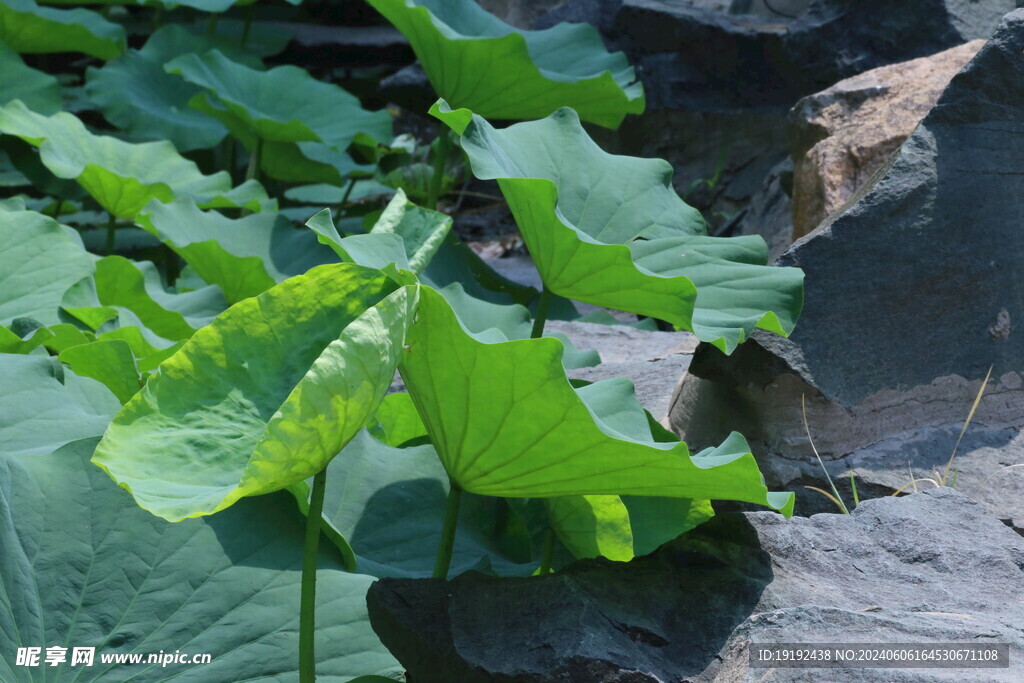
[967, 422]
[839, 503]
[837, 498]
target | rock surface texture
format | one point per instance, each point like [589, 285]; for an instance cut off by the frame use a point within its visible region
[929, 567]
[843, 135]
[911, 295]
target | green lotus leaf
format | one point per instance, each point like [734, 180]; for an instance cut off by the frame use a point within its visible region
[506, 422]
[264, 396]
[610, 230]
[147, 103]
[40, 261]
[390, 503]
[137, 286]
[97, 571]
[405, 234]
[44, 407]
[397, 422]
[30, 29]
[655, 521]
[592, 526]
[243, 256]
[108, 361]
[39, 91]
[250, 104]
[121, 176]
[475, 60]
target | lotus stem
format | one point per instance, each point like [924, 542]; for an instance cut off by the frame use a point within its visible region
[211, 24]
[249, 12]
[451, 521]
[542, 313]
[111, 236]
[307, 608]
[441, 154]
[252, 171]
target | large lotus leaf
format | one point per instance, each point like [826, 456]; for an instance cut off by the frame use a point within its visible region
[390, 503]
[244, 256]
[171, 40]
[264, 396]
[506, 422]
[121, 176]
[29, 29]
[85, 567]
[405, 234]
[40, 91]
[475, 60]
[397, 422]
[39, 262]
[43, 406]
[147, 103]
[592, 526]
[137, 286]
[610, 230]
[250, 104]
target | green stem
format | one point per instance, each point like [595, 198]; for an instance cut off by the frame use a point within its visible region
[228, 157]
[549, 551]
[451, 521]
[111, 236]
[249, 12]
[441, 154]
[345, 196]
[542, 313]
[307, 609]
[252, 171]
[58, 209]
[211, 24]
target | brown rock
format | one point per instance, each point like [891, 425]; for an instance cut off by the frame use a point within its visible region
[842, 136]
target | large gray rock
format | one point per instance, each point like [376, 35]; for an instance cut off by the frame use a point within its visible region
[911, 295]
[693, 56]
[929, 567]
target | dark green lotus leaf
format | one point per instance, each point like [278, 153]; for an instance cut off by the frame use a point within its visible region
[405, 234]
[147, 103]
[610, 230]
[475, 60]
[44, 407]
[243, 256]
[97, 571]
[264, 396]
[39, 91]
[30, 29]
[250, 104]
[39, 262]
[121, 176]
[506, 422]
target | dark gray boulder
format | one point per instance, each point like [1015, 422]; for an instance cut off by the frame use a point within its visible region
[928, 567]
[692, 55]
[911, 295]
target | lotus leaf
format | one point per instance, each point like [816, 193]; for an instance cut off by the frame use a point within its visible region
[38, 90]
[610, 230]
[121, 176]
[264, 396]
[97, 571]
[475, 60]
[506, 422]
[30, 29]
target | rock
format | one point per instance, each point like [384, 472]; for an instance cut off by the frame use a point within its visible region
[843, 135]
[770, 213]
[768, 59]
[911, 295]
[928, 567]
[652, 360]
[520, 13]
